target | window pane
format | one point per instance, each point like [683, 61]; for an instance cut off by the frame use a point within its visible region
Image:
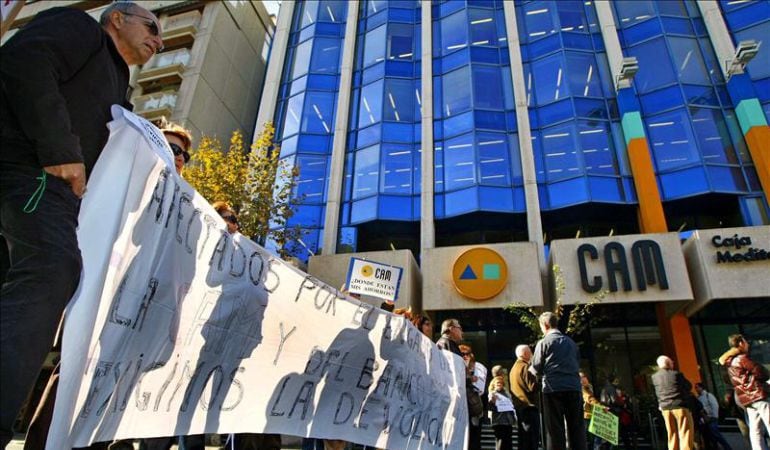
[483, 28]
[672, 141]
[713, 136]
[318, 116]
[597, 149]
[454, 32]
[332, 11]
[312, 175]
[561, 160]
[457, 96]
[688, 60]
[572, 15]
[494, 168]
[400, 39]
[655, 68]
[291, 118]
[301, 59]
[549, 83]
[634, 11]
[583, 75]
[309, 10]
[375, 6]
[326, 56]
[370, 109]
[539, 19]
[515, 159]
[397, 169]
[374, 46]
[460, 167]
[672, 8]
[487, 87]
[399, 99]
[366, 173]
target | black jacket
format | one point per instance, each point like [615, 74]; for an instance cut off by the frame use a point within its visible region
[672, 389]
[59, 76]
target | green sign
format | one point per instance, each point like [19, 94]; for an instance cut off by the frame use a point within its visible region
[604, 424]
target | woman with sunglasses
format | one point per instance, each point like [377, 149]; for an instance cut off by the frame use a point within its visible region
[180, 141]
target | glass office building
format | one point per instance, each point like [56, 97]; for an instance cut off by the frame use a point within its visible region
[423, 125]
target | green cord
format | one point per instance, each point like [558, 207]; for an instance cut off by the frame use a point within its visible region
[33, 201]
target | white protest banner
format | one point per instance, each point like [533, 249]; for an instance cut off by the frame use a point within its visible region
[181, 328]
[373, 278]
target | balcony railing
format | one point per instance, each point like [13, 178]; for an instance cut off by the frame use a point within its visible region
[164, 68]
[180, 29]
[153, 106]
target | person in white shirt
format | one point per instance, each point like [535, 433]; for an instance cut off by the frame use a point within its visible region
[711, 411]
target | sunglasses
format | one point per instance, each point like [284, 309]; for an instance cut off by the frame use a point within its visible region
[177, 150]
[149, 23]
[231, 219]
[466, 354]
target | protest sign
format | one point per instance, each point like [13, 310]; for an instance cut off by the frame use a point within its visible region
[373, 278]
[604, 424]
[179, 327]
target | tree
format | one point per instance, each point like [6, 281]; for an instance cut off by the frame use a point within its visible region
[579, 316]
[257, 184]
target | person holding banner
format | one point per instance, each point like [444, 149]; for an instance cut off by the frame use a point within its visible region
[589, 400]
[503, 415]
[60, 76]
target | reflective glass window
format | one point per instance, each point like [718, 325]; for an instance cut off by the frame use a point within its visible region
[332, 11]
[655, 68]
[326, 55]
[301, 59]
[596, 147]
[375, 6]
[309, 12]
[374, 46]
[672, 8]
[759, 66]
[559, 150]
[291, 118]
[583, 75]
[318, 115]
[711, 61]
[459, 162]
[396, 169]
[515, 159]
[550, 84]
[399, 97]
[482, 25]
[311, 179]
[713, 136]
[366, 172]
[487, 87]
[456, 92]
[688, 61]
[538, 17]
[400, 41]
[672, 141]
[454, 32]
[632, 12]
[370, 107]
[493, 153]
[572, 15]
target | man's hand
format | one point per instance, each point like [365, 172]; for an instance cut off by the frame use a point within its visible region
[72, 173]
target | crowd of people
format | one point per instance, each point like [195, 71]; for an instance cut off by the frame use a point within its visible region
[53, 128]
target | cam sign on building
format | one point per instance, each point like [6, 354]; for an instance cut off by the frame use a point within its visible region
[179, 327]
[374, 279]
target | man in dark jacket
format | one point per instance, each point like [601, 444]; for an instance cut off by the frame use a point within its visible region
[673, 392]
[750, 382]
[60, 75]
[556, 361]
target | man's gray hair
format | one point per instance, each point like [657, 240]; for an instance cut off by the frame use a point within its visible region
[521, 350]
[550, 320]
[664, 362]
[124, 7]
[447, 325]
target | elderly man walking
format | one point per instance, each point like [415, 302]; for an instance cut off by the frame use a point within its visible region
[673, 392]
[60, 76]
[556, 361]
[524, 390]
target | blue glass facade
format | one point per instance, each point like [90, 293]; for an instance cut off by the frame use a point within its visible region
[578, 145]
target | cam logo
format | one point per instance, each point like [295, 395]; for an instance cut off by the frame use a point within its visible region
[367, 271]
[480, 274]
